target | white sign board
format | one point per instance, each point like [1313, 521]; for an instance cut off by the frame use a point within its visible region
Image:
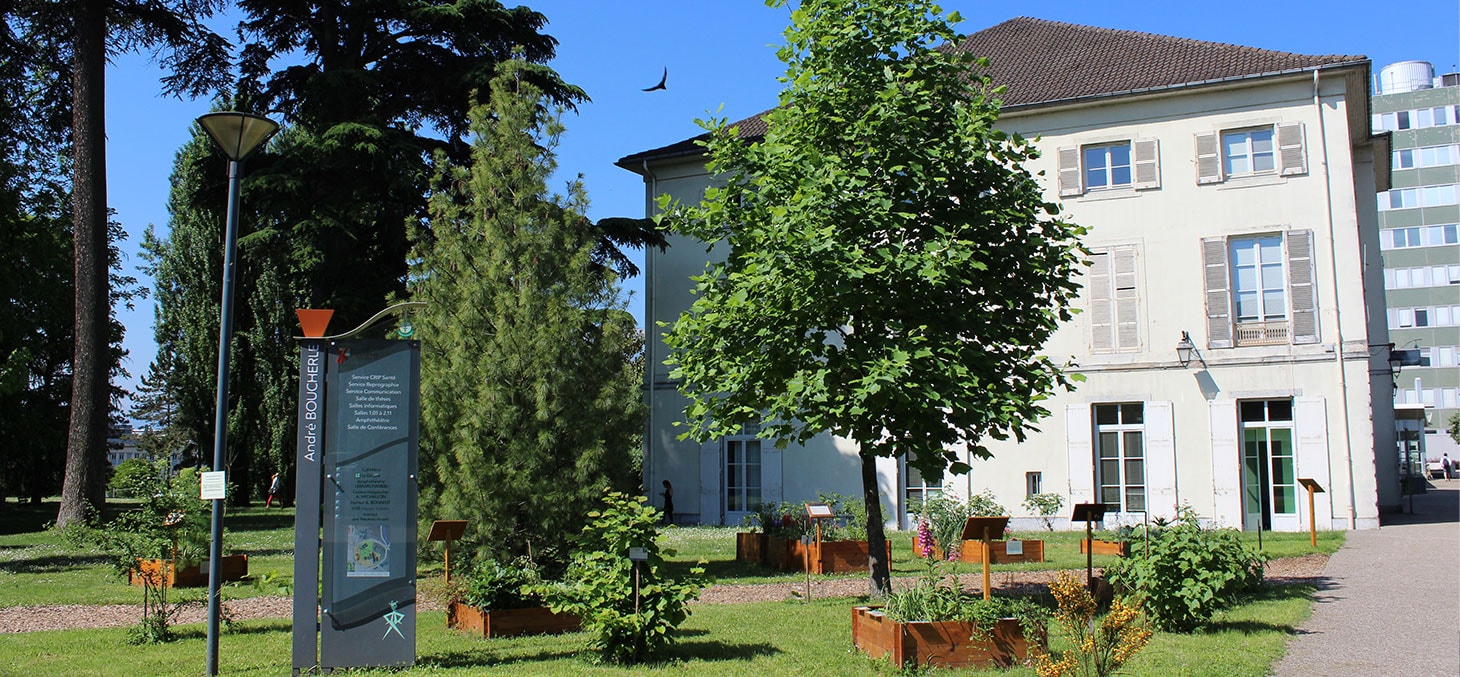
[214, 485]
[1014, 547]
[819, 511]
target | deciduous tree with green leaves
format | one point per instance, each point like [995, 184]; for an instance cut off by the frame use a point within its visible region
[891, 269]
[531, 401]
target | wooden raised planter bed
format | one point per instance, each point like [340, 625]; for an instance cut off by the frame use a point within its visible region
[750, 547]
[972, 551]
[830, 557]
[1117, 548]
[947, 644]
[235, 567]
[509, 622]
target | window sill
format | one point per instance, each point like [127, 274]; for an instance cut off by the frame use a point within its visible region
[1252, 180]
[1107, 194]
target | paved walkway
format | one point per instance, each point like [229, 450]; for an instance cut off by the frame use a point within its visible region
[1391, 601]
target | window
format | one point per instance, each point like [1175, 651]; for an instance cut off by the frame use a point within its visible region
[1133, 164]
[1107, 166]
[917, 489]
[742, 474]
[1114, 301]
[1033, 484]
[1257, 279]
[1269, 478]
[1247, 151]
[1424, 196]
[1259, 290]
[1120, 461]
[1251, 151]
[1431, 156]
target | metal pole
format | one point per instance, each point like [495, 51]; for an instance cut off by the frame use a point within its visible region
[220, 418]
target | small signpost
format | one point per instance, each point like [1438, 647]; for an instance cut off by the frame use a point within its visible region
[637, 555]
[980, 528]
[815, 512]
[1089, 513]
[448, 531]
[806, 560]
[1313, 488]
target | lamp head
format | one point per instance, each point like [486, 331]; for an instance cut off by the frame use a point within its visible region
[1184, 349]
[237, 134]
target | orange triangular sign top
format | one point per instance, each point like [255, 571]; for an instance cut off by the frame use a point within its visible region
[314, 322]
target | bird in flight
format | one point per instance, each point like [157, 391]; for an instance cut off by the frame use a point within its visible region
[662, 80]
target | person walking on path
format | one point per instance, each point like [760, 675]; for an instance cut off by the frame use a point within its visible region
[273, 491]
[1447, 465]
[668, 495]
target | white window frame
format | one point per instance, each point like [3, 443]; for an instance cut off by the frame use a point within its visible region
[1108, 166]
[1259, 269]
[1248, 151]
[740, 496]
[915, 493]
[1122, 432]
[1272, 487]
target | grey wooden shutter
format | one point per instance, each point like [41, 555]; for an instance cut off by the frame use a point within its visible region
[1127, 301]
[1208, 159]
[1291, 155]
[1310, 415]
[1219, 295]
[711, 479]
[1304, 303]
[1101, 315]
[1069, 171]
[1162, 497]
[1148, 164]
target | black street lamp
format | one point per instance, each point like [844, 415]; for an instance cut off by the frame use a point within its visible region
[237, 135]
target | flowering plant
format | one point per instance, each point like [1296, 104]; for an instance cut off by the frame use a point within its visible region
[1099, 648]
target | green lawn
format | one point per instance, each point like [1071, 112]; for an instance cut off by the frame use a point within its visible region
[765, 638]
[37, 566]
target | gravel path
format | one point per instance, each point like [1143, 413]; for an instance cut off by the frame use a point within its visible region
[1307, 569]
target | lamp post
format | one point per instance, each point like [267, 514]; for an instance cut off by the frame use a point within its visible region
[237, 135]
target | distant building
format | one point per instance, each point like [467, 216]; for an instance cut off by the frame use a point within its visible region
[1418, 219]
[1229, 195]
[121, 445]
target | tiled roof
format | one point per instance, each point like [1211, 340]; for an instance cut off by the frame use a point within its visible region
[1044, 62]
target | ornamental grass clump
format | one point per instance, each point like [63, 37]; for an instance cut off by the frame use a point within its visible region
[1191, 573]
[1101, 648]
[630, 609]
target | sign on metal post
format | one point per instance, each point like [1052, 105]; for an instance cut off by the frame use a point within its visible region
[308, 473]
[369, 553]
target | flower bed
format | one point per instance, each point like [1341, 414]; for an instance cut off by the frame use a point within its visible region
[235, 567]
[509, 622]
[939, 644]
[1118, 548]
[972, 551]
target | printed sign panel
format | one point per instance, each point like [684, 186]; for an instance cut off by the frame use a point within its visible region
[369, 612]
[308, 474]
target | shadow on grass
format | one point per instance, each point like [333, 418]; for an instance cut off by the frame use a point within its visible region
[711, 650]
[52, 564]
[1248, 627]
[484, 658]
[252, 521]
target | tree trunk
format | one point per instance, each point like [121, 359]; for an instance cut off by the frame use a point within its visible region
[876, 535]
[86, 439]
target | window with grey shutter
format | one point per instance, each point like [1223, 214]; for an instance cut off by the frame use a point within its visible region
[1219, 299]
[1208, 159]
[1147, 164]
[1300, 285]
[1102, 337]
[1069, 171]
[1293, 158]
[1127, 301]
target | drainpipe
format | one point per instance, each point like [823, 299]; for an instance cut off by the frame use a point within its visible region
[649, 339]
[1348, 450]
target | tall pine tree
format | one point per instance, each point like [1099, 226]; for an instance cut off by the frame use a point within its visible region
[530, 396]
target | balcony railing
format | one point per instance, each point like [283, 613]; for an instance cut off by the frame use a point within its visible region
[1263, 333]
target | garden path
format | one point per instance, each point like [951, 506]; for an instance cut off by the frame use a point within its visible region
[1390, 600]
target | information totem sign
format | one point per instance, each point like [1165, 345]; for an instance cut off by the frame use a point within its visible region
[364, 508]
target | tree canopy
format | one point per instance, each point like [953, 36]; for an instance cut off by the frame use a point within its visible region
[890, 269]
[530, 386]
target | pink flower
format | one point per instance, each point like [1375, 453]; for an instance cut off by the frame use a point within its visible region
[925, 538]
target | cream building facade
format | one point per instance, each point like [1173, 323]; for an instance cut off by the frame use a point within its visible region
[1229, 196]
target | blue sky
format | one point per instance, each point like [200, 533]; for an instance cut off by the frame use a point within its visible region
[722, 62]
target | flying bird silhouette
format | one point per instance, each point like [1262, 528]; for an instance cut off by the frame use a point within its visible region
[662, 80]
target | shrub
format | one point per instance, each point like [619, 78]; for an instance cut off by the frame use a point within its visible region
[1097, 648]
[1190, 574]
[1046, 505]
[131, 478]
[601, 583]
[935, 596]
[493, 585]
[851, 518]
[984, 505]
[945, 515]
